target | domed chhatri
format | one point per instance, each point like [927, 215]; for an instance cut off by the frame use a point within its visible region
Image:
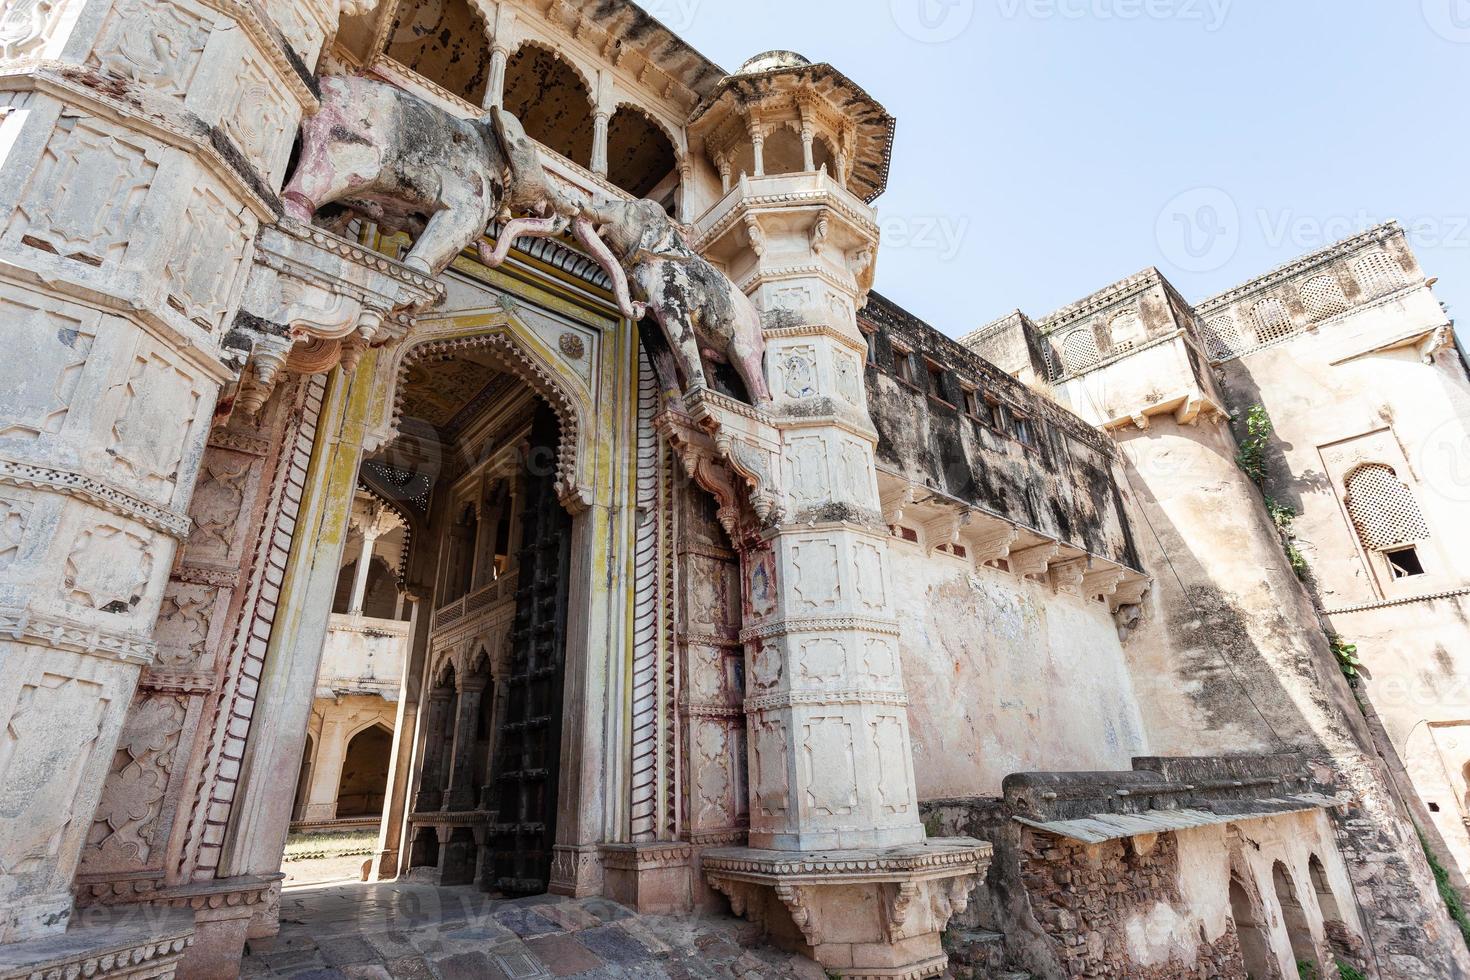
[772, 60]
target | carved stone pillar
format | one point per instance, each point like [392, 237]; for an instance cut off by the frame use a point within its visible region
[364, 564]
[495, 87]
[436, 747]
[838, 865]
[406, 731]
[599, 142]
[326, 775]
[132, 182]
[462, 793]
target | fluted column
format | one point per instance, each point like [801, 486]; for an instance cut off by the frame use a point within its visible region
[599, 142]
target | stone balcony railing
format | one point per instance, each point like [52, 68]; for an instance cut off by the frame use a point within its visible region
[795, 188]
[468, 607]
[363, 655]
[1307, 293]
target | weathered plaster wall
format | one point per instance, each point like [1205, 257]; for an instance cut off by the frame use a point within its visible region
[1061, 484]
[1005, 675]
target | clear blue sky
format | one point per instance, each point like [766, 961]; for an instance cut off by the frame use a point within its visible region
[1047, 148]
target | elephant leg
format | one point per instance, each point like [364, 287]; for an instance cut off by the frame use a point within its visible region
[685, 346]
[448, 232]
[519, 228]
[586, 233]
[749, 363]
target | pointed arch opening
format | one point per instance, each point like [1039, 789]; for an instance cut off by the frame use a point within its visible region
[445, 42]
[641, 156]
[553, 101]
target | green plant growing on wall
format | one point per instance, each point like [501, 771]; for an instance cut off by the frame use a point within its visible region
[1446, 890]
[1346, 972]
[1305, 970]
[1347, 658]
[1283, 517]
[1251, 456]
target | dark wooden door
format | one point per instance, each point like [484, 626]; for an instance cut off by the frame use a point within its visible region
[529, 742]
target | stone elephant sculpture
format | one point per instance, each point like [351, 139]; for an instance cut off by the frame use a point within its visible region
[700, 310]
[401, 162]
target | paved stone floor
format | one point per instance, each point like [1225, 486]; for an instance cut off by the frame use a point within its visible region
[398, 930]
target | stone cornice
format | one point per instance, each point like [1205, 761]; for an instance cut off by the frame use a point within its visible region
[1296, 267]
[865, 624]
[20, 624]
[1101, 300]
[97, 492]
[816, 330]
[155, 116]
[791, 699]
[942, 858]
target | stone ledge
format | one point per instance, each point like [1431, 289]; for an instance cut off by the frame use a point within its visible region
[953, 855]
[148, 948]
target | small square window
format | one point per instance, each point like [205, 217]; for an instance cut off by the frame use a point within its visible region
[1404, 563]
[903, 365]
[871, 338]
[936, 380]
[1021, 425]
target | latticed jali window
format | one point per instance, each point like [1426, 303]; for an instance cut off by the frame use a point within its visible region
[1323, 297]
[1383, 509]
[1079, 350]
[1272, 320]
[1222, 338]
[1377, 274]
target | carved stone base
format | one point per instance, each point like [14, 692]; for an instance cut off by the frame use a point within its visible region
[652, 879]
[576, 870]
[133, 947]
[859, 913]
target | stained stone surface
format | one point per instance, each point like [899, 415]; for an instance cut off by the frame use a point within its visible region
[407, 931]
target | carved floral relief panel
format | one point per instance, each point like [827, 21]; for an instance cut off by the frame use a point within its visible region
[798, 370]
[806, 467]
[769, 747]
[206, 268]
[23, 26]
[127, 833]
[868, 571]
[849, 377]
[823, 660]
[37, 385]
[831, 769]
[85, 194]
[226, 483]
[108, 570]
[154, 44]
[714, 779]
[161, 402]
[262, 121]
[183, 628]
[13, 516]
[816, 581]
[893, 778]
[45, 748]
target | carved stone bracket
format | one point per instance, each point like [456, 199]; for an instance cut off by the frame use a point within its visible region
[732, 451]
[918, 887]
[314, 302]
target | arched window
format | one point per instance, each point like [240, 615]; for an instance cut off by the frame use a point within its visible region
[1254, 947]
[1323, 298]
[1222, 337]
[1079, 350]
[1125, 331]
[365, 773]
[1377, 274]
[783, 152]
[824, 156]
[1386, 516]
[1272, 320]
[551, 100]
[445, 42]
[640, 156]
[1298, 931]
